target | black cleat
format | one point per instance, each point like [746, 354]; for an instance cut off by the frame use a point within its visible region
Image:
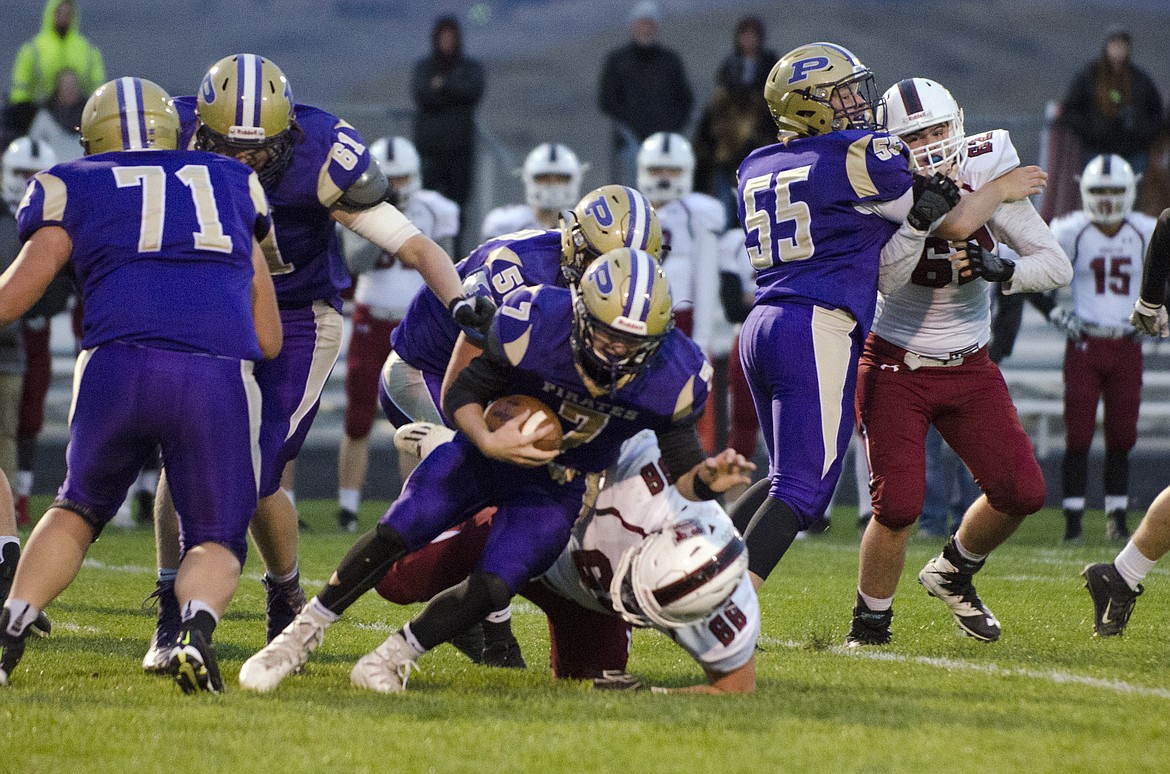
[11, 649]
[166, 630]
[1116, 530]
[1072, 527]
[948, 577]
[285, 600]
[470, 643]
[505, 654]
[193, 664]
[347, 520]
[1113, 599]
[870, 627]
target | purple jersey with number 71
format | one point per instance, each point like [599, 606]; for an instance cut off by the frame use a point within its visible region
[806, 234]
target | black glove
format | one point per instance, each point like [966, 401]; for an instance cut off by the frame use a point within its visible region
[474, 315]
[934, 197]
[989, 265]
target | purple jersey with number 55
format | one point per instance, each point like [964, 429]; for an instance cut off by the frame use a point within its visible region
[806, 236]
[328, 156]
[162, 246]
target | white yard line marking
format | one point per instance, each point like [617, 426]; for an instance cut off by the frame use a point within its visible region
[1056, 677]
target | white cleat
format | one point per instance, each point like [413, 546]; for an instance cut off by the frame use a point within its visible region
[421, 438]
[286, 654]
[386, 668]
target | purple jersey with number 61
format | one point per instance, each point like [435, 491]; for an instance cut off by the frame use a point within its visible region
[805, 232]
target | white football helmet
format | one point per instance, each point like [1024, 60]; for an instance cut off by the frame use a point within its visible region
[682, 573]
[1108, 188]
[552, 158]
[23, 158]
[665, 150]
[914, 104]
[398, 158]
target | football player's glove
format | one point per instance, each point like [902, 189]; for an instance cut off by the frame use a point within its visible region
[1150, 319]
[988, 265]
[1067, 323]
[474, 315]
[934, 197]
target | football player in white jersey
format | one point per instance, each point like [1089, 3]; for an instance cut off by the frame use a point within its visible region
[1115, 586]
[643, 556]
[552, 183]
[384, 290]
[1106, 242]
[925, 362]
[692, 223]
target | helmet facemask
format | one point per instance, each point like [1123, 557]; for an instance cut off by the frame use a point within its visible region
[1108, 189]
[924, 115]
[855, 101]
[278, 151]
[622, 353]
[552, 177]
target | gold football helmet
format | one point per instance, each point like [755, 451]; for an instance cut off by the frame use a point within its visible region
[820, 88]
[607, 218]
[245, 105]
[621, 315]
[129, 114]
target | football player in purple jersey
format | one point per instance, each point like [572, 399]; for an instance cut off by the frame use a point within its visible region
[607, 218]
[606, 359]
[177, 232]
[823, 210]
[316, 172]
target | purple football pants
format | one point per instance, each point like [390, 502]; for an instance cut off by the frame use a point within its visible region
[801, 364]
[533, 518]
[204, 412]
[291, 384]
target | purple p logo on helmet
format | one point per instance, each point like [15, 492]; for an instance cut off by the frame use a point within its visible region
[802, 67]
[603, 279]
[207, 89]
[598, 209]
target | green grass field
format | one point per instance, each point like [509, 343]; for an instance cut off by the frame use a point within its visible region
[1047, 698]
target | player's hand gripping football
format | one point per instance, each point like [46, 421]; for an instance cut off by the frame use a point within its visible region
[934, 197]
[1150, 319]
[508, 443]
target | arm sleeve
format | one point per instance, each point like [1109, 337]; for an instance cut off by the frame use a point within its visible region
[485, 377]
[731, 294]
[1043, 264]
[1156, 269]
[681, 448]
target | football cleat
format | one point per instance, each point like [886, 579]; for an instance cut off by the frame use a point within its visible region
[948, 577]
[193, 664]
[1116, 530]
[1073, 533]
[42, 626]
[421, 438]
[284, 601]
[157, 660]
[470, 642]
[11, 649]
[1113, 599]
[286, 654]
[617, 680]
[870, 627]
[347, 520]
[505, 654]
[386, 668]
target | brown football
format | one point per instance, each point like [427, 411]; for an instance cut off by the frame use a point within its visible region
[502, 409]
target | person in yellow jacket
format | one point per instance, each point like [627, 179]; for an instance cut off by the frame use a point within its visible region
[58, 46]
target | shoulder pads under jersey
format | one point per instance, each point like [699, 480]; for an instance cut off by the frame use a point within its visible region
[366, 191]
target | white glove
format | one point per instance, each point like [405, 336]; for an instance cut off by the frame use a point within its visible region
[1150, 320]
[1066, 322]
[421, 438]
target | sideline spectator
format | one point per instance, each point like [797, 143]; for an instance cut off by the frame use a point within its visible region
[58, 46]
[1113, 106]
[736, 121]
[643, 88]
[447, 89]
[57, 122]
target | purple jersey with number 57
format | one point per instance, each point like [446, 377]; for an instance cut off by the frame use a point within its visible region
[426, 336]
[162, 246]
[328, 156]
[798, 202]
